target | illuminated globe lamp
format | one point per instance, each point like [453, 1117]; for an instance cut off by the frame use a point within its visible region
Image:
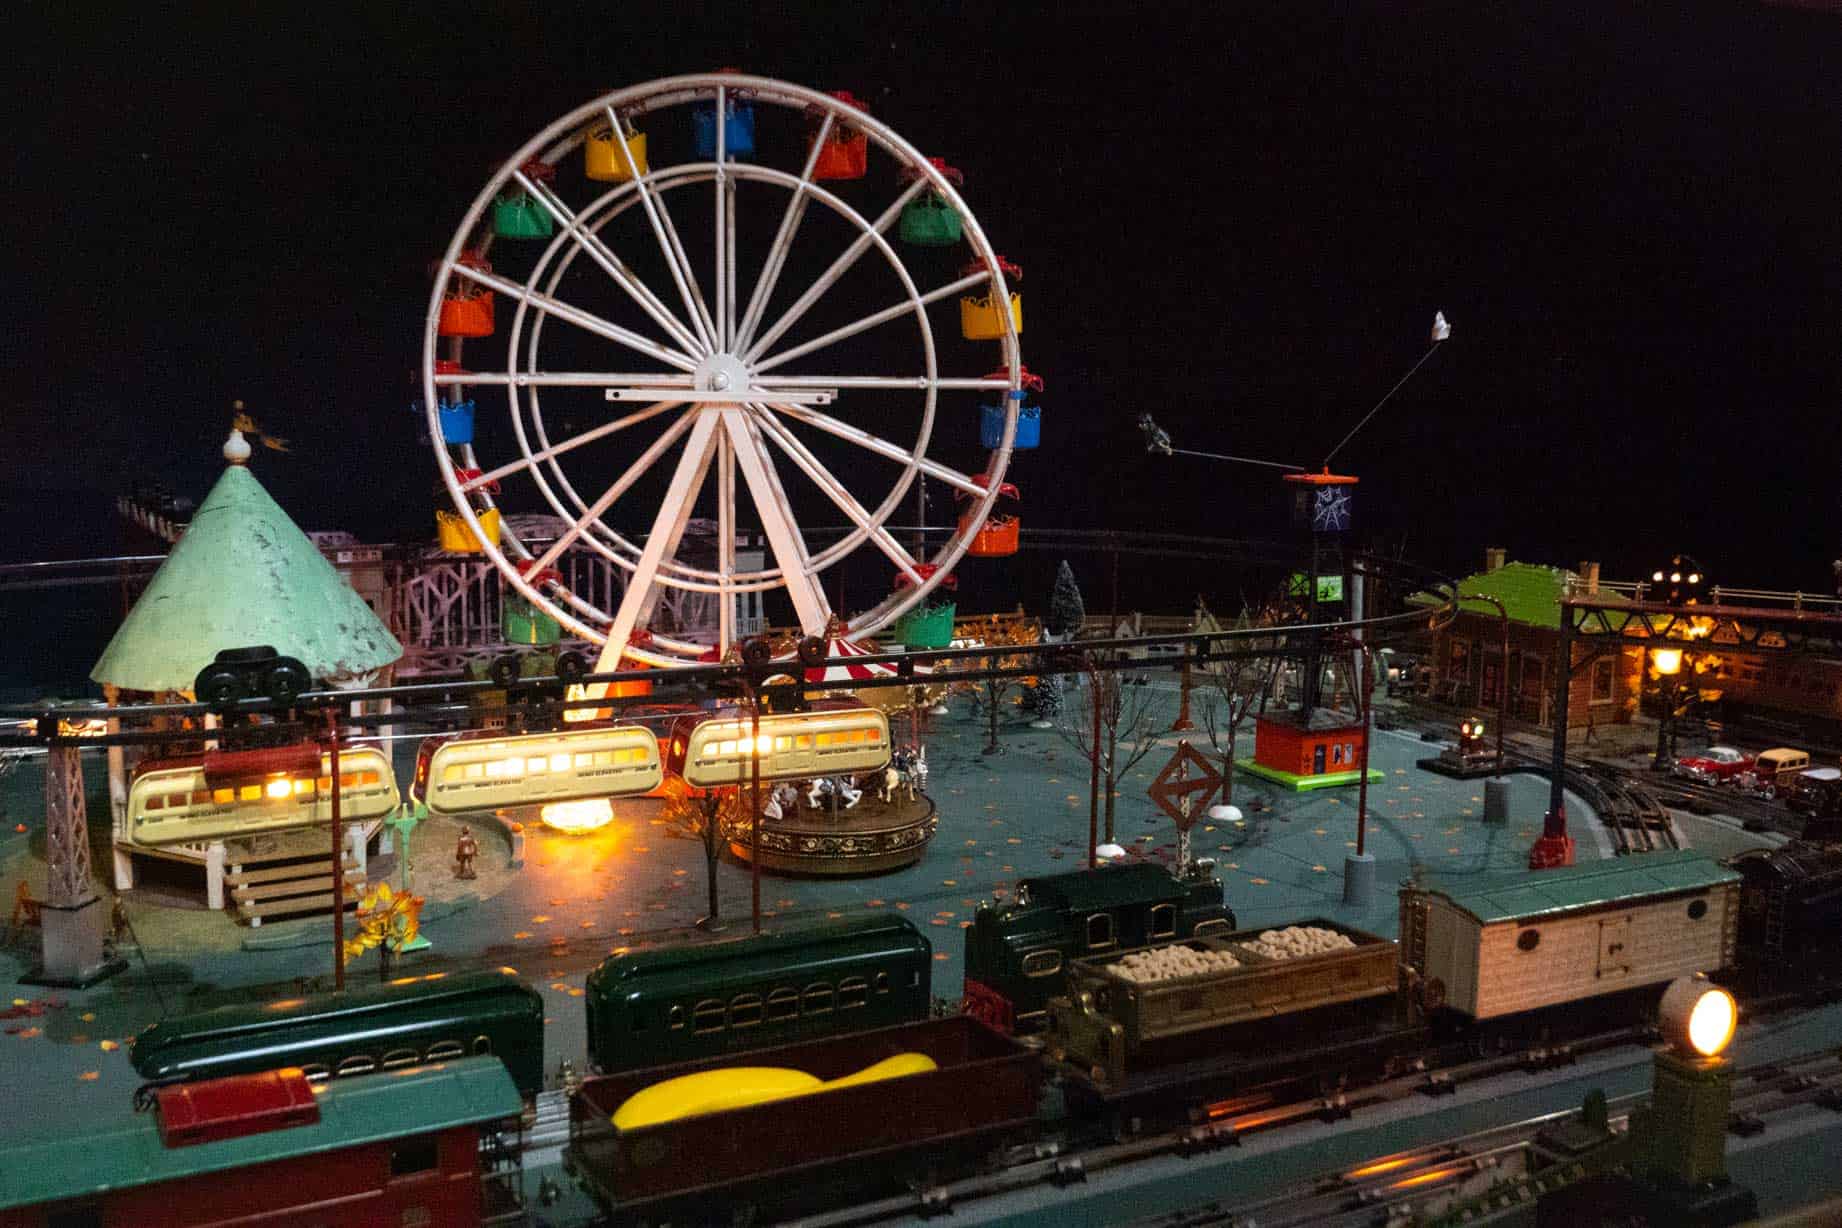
[1681, 1141]
[588, 814]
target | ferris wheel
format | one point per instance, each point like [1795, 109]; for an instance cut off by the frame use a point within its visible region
[647, 351]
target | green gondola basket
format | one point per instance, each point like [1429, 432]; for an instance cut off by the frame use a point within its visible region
[524, 623]
[519, 215]
[927, 627]
[929, 221]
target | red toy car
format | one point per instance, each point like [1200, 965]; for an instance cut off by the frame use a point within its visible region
[1717, 765]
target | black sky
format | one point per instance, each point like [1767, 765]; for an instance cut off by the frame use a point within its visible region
[1240, 217]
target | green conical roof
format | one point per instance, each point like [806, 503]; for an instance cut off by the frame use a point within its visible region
[243, 575]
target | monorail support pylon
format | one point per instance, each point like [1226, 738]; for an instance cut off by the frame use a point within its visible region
[72, 917]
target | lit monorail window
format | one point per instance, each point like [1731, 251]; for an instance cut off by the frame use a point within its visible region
[559, 762]
[250, 793]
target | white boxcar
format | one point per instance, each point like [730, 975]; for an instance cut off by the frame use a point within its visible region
[1504, 945]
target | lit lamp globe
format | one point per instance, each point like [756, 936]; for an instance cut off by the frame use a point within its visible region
[579, 816]
[1668, 661]
[1697, 1017]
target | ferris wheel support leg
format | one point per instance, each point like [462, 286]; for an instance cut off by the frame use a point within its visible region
[777, 523]
[641, 596]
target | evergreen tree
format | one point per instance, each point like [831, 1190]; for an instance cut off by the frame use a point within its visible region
[1048, 699]
[1066, 610]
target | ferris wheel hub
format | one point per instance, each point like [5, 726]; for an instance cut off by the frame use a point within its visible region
[721, 372]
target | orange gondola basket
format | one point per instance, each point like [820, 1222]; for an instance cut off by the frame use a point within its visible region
[845, 154]
[466, 306]
[997, 537]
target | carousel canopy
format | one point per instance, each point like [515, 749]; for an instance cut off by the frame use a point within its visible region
[848, 671]
[244, 575]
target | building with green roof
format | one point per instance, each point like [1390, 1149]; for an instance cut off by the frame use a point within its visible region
[1468, 665]
[243, 574]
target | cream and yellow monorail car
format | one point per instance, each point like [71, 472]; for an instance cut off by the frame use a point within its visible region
[457, 775]
[174, 802]
[794, 746]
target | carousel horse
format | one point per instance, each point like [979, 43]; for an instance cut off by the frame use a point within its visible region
[828, 786]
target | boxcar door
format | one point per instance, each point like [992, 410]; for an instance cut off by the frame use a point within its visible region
[1317, 760]
[1614, 948]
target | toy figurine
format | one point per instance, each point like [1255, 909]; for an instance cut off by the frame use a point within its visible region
[465, 850]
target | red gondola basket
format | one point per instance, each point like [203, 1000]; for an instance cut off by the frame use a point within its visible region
[998, 537]
[466, 306]
[846, 151]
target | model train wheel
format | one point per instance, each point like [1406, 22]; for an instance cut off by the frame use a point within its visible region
[1432, 993]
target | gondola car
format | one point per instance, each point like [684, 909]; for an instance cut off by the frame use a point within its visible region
[1017, 955]
[659, 1005]
[408, 1022]
[436, 1146]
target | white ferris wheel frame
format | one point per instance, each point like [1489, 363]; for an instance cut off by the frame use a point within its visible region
[709, 349]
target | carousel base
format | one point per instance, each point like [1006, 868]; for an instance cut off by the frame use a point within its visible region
[869, 838]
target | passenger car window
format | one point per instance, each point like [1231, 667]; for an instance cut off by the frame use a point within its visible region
[707, 1016]
[882, 982]
[783, 1004]
[818, 999]
[853, 991]
[1099, 930]
[357, 1064]
[416, 1155]
[676, 1017]
[400, 1057]
[446, 1051]
[745, 1010]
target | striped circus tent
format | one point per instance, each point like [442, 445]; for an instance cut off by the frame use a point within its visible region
[848, 672]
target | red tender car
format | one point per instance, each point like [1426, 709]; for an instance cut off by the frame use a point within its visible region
[1717, 765]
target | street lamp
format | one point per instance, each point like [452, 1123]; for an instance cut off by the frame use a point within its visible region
[1668, 663]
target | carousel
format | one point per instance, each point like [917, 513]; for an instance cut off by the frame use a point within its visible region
[854, 823]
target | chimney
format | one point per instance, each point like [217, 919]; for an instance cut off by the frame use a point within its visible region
[1494, 558]
[1589, 579]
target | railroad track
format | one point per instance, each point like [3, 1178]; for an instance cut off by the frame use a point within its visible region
[1402, 1187]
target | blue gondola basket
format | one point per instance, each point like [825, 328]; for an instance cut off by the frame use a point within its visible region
[456, 422]
[1029, 426]
[738, 134]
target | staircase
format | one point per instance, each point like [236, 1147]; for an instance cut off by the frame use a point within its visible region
[287, 885]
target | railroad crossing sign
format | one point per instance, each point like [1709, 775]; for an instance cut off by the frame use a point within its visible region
[1183, 789]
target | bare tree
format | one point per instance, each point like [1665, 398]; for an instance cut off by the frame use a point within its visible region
[702, 815]
[1128, 728]
[1232, 688]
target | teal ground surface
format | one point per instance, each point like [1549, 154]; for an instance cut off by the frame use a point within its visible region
[1017, 813]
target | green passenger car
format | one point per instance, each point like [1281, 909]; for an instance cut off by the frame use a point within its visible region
[407, 1022]
[1017, 955]
[673, 1004]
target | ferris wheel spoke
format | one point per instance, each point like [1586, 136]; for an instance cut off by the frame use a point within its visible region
[586, 320]
[777, 522]
[882, 447]
[838, 269]
[590, 241]
[725, 542]
[835, 491]
[893, 311]
[720, 327]
[919, 383]
[532, 460]
[636, 605]
[592, 513]
[783, 240]
[663, 231]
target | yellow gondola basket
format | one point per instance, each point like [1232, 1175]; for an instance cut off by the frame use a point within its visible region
[601, 160]
[456, 537]
[979, 319]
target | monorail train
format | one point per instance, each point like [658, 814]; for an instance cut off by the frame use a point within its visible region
[1017, 955]
[411, 1021]
[457, 773]
[833, 739]
[657, 1005]
[224, 795]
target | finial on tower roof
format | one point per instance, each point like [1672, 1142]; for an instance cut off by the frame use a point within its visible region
[236, 448]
